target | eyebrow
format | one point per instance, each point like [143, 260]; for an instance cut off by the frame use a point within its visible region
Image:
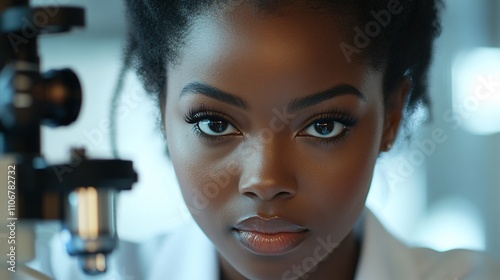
[215, 93]
[295, 105]
[308, 101]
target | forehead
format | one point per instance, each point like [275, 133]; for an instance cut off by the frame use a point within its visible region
[290, 47]
[243, 28]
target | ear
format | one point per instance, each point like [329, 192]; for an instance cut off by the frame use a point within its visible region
[162, 100]
[394, 113]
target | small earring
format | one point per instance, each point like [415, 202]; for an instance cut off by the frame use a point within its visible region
[388, 146]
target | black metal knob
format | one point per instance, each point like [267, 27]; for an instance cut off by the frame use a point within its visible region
[63, 97]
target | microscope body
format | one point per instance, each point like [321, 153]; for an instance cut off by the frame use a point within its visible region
[80, 194]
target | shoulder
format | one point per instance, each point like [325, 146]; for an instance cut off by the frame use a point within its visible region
[385, 257]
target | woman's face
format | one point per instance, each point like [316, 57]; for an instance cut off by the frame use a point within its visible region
[273, 136]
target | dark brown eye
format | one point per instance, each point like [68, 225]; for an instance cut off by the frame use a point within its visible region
[216, 127]
[325, 129]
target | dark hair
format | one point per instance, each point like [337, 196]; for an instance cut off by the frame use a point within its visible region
[403, 48]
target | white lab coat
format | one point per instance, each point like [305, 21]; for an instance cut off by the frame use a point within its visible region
[187, 254]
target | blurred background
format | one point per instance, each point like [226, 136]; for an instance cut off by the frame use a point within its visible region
[441, 190]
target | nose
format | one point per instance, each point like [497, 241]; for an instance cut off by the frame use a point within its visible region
[267, 173]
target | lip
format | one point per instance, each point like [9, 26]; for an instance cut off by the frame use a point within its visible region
[275, 236]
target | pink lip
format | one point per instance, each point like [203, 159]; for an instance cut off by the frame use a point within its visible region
[274, 236]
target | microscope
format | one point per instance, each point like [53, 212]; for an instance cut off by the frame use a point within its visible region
[80, 194]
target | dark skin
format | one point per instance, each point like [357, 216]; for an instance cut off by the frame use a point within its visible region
[313, 167]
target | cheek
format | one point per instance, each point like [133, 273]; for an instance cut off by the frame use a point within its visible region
[204, 180]
[337, 184]
[191, 170]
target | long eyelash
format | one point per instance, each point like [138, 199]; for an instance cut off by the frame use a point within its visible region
[345, 118]
[196, 115]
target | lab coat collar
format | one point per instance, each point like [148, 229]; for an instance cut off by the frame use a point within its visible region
[382, 255]
[189, 255]
[186, 255]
